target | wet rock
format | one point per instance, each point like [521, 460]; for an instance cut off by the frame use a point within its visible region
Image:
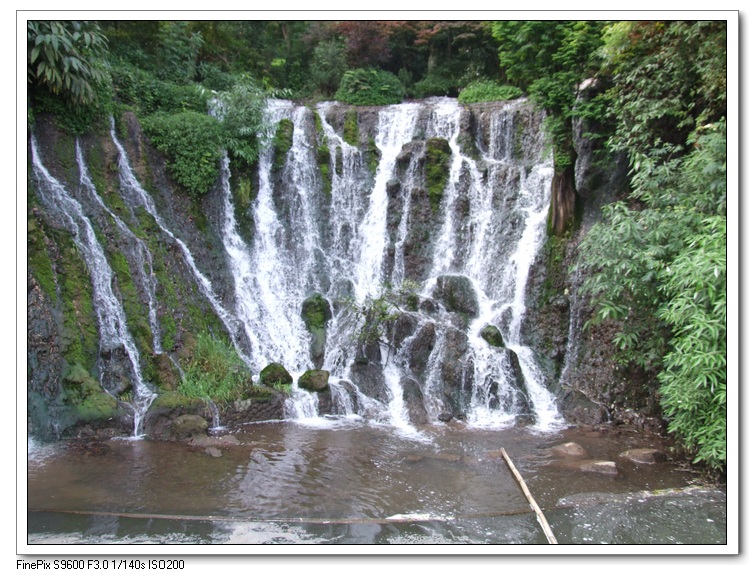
[457, 294]
[316, 312]
[445, 417]
[186, 426]
[413, 399]
[421, 347]
[577, 408]
[404, 326]
[314, 380]
[600, 467]
[275, 374]
[367, 375]
[213, 452]
[569, 449]
[492, 335]
[644, 455]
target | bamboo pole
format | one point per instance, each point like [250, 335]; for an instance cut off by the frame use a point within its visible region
[533, 504]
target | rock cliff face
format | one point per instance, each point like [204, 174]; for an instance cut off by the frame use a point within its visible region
[377, 244]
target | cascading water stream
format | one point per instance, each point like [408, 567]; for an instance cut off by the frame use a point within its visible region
[141, 254]
[134, 192]
[395, 128]
[111, 318]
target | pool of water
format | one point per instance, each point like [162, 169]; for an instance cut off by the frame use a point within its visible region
[354, 482]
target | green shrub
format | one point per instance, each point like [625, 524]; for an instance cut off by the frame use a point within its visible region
[148, 94]
[192, 142]
[214, 371]
[434, 84]
[370, 87]
[488, 91]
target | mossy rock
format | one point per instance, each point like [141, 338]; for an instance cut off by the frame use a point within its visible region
[173, 400]
[351, 128]
[88, 400]
[275, 374]
[188, 425]
[282, 143]
[316, 311]
[437, 169]
[314, 380]
[492, 335]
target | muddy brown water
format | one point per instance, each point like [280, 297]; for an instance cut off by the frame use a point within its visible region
[348, 481]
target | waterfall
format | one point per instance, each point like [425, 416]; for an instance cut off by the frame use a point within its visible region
[111, 318]
[344, 221]
[492, 222]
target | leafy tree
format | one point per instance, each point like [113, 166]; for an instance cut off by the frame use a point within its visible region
[67, 58]
[242, 112]
[549, 60]
[328, 65]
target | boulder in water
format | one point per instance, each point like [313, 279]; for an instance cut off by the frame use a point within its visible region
[569, 449]
[275, 374]
[457, 294]
[600, 467]
[492, 335]
[314, 380]
[644, 455]
[185, 426]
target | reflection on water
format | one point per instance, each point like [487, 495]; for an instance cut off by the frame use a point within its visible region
[353, 482]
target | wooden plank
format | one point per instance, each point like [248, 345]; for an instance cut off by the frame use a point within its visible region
[533, 504]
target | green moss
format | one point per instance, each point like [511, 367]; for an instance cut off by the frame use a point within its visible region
[323, 163]
[284, 139]
[437, 169]
[82, 392]
[79, 336]
[38, 257]
[351, 128]
[316, 312]
[492, 335]
[173, 400]
[318, 125]
[136, 312]
[373, 155]
[275, 374]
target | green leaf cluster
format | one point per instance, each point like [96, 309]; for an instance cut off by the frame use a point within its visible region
[242, 119]
[192, 142]
[66, 58]
[370, 87]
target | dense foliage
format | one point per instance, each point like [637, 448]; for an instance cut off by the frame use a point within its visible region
[488, 91]
[66, 58]
[192, 143]
[658, 261]
[370, 87]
